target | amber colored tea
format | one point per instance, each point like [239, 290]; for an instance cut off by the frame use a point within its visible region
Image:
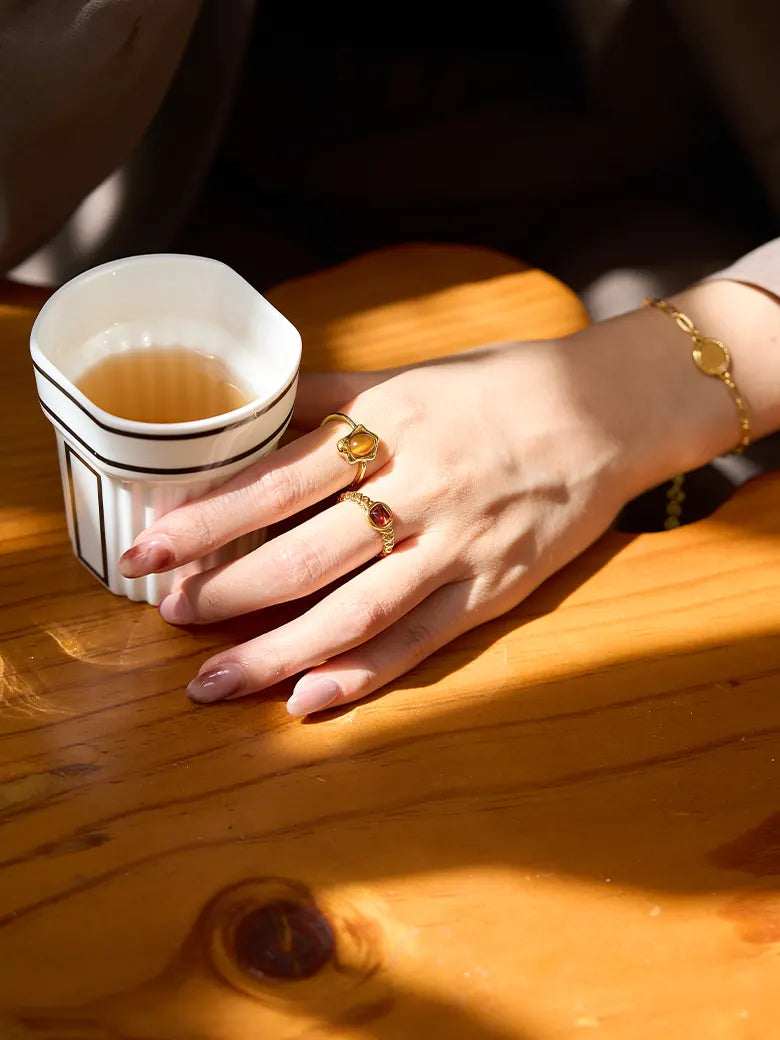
[163, 385]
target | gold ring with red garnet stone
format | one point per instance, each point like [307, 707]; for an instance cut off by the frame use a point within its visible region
[358, 447]
[379, 516]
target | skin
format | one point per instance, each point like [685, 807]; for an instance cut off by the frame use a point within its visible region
[501, 465]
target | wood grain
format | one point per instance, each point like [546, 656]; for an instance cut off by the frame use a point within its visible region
[566, 821]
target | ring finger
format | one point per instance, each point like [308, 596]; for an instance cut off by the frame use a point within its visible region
[291, 479]
[290, 566]
[348, 617]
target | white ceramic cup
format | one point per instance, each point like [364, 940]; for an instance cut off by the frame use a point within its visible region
[118, 476]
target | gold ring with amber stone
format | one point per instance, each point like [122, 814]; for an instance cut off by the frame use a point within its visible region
[358, 447]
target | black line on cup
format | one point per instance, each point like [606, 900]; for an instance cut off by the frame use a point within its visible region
[169, 472]
[168, 436]
[74, 512]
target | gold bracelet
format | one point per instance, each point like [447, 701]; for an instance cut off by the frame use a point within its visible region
[713, 359]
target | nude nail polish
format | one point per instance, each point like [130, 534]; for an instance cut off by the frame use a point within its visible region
[313, 695]
[217, 683]
[176, 609]
[148, 557]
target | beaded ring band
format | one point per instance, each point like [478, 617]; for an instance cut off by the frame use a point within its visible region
[379, 516]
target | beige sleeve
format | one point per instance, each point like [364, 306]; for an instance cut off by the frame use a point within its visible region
[760, 268]
[79, 85]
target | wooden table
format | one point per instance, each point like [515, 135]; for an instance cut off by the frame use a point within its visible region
[565, 823]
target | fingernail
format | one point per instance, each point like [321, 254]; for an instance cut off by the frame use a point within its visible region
[313, 695]
[151, 555]
[217, 683]
[176, 609]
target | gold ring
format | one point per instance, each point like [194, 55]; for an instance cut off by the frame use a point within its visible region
[379, 516]
[358, 448]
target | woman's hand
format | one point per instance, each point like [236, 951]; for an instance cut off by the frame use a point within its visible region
[500, 466]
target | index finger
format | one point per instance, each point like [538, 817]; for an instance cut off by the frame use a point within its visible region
[297, 476]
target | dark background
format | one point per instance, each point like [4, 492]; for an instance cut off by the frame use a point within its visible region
[357, 126]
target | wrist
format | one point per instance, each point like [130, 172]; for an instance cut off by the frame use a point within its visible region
[668, 416]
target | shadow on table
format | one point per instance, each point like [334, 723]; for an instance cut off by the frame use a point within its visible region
[618, 774]
[117, 793]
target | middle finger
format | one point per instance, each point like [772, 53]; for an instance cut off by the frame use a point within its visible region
[291, 479]
[352, 614]
[290, 566]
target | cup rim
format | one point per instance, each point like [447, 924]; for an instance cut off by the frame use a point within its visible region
[190, 429]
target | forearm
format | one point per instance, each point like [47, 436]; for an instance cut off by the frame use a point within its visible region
[673, 417]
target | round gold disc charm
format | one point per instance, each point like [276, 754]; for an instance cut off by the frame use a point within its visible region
[711, 356]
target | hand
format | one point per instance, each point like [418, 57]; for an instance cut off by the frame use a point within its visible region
[500, 466]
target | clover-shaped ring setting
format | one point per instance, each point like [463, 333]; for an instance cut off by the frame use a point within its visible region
[358, 447]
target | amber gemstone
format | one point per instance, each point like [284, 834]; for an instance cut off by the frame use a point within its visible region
[379, 515]
[361, 444]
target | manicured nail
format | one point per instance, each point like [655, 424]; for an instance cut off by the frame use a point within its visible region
[313, 695]
[217, 683]
[176, 609]
[148, 557]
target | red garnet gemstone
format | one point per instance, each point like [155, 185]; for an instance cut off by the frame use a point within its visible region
[379, 515]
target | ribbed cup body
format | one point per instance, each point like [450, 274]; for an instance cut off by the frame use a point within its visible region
[119, 475]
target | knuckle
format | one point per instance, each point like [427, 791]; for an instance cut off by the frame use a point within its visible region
[198, 527]
[278, 491]
[366, 616]
[366, 681]
[403, 401]
[301, 565]
[442, 484]
[276, 665]
[197, 530]
[212, 601]
[369, 678]
[205, 597]
[419, 639]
